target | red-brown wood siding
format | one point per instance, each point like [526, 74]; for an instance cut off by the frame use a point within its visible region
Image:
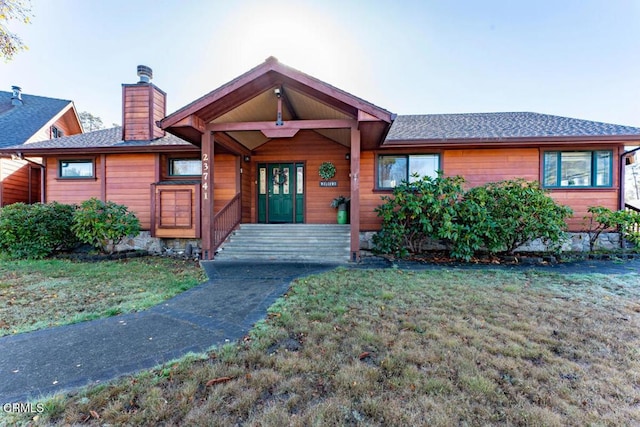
[481, 166]
[313, 149]
[71, 191]
[129, 177]
[143, 105]
[247, 180]
[225, 185]
[15, 181]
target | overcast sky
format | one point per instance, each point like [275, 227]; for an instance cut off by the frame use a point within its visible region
[574, 58]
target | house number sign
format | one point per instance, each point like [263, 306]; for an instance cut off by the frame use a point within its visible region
[205, 174]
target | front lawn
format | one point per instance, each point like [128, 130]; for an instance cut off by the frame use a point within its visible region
[401, 348]
[40, 294]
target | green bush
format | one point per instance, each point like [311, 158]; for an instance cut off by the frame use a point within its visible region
[417, 213]
[498, 217]
[602, 219]
[35, 231]
[517, 211]
[103, 224]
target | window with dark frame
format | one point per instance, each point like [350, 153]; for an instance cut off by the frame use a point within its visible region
[580, 169]
[185, 167]
[395, 168]
[56, 132]
[77, 168]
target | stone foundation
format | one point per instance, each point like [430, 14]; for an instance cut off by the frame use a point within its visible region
[576, 242]
[155, 245]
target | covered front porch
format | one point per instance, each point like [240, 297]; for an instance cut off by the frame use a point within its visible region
[263, 138]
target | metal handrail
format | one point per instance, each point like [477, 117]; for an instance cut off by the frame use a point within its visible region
[225, 221]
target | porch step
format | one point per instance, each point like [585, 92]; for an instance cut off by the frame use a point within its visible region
[287, 242]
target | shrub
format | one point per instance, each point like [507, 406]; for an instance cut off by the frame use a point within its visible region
[499, 217]
[104, 224]
[417, 213]
[518, 211]
[602, 219]
[35, 231]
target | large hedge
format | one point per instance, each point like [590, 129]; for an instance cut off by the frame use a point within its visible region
[35, 231]
[497, 217]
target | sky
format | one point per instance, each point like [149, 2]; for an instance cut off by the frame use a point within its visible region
[573, 58]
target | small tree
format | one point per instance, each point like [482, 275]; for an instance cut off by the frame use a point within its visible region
[18, 10]
[602, 219]
[90, 122]
[104, 224]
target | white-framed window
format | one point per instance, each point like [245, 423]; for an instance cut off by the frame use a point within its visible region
[185, 167]
[567, 169]
[76, 168]
[395, 168]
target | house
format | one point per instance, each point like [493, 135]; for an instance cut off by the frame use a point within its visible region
[25, 119]
[250, 152]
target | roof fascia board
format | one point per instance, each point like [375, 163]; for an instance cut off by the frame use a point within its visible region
[51, 122]
[493, 142]
[99, 150]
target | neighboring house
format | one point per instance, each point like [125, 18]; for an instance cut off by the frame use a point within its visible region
[25, 119]
[250, 151]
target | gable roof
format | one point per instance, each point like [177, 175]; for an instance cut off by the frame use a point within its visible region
[501, 126]
[20, 122]
[103, 141]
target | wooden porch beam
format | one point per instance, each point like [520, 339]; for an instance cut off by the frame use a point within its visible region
[355, 194]
[231, 144]
[291, 124]
[192, 121]
[207, 195]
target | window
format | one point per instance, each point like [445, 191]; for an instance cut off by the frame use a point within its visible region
[185, 167]
[56, 133]
[578, 168]
[75, 169]
[394, 169]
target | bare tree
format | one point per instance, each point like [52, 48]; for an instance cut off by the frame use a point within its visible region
[10, 10]
[90, 122]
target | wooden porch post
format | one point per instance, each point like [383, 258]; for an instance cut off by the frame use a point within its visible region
[355, 194]
[207, 195]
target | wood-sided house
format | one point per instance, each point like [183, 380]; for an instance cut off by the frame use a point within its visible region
[25, 119]
[250, 151]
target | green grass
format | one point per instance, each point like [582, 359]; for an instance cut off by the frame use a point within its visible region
[400, 348]
[40, 294]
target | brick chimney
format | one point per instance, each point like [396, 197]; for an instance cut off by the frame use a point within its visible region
[142, 105]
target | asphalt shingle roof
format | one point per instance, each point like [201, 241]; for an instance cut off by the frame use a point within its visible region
[103, 138]
[494, 126]
[20, 122]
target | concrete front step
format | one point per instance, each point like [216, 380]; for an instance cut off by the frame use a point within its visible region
[288, 242]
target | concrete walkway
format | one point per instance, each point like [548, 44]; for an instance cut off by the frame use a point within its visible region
[223, 309]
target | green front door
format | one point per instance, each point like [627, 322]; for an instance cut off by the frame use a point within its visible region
[280, 193]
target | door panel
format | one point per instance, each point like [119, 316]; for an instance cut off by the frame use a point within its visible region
[280, 193]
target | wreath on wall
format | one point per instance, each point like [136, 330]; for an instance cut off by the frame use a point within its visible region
[280, 177]
[327, 170]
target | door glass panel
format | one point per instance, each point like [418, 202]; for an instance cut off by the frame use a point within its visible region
[263, 181]
[299, 180]
[285, 177]
[276, 177]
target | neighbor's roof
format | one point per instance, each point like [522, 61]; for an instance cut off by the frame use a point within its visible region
[496, 126]
[105, 138]
[19, 123]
